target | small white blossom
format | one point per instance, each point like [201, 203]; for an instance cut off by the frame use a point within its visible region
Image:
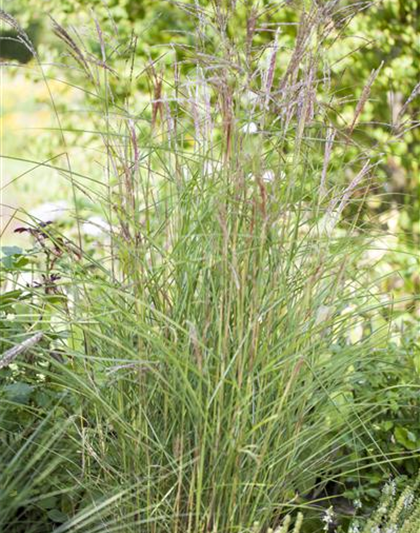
[382, 510]
[268, 176]
[408, 500]
[328, 518]
[355, 527]
[357, 503]
[389, 489]
[251, 127]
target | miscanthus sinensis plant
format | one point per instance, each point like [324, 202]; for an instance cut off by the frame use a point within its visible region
[206, 338]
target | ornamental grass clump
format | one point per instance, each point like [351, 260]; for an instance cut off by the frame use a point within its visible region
[206, 351]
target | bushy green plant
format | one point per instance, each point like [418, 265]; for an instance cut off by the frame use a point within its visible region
[398, 511]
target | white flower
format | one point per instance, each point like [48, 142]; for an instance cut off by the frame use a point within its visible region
[389, 489]
[268, 176]
[250, 127]
[357, 504]
[408, 500]
[328, 518]
[49, 211]
[355, 527]
[95, 226]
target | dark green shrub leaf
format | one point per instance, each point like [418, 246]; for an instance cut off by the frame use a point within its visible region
[405, 437]
[18, 392]
[57, 516]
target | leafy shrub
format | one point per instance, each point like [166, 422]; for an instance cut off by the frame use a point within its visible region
[398, 511]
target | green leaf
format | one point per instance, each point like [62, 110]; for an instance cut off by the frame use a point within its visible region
[11, 250]
[387, 425]
[406, 438]
[18, 392]
[57, 516]
[48, 503]
[10, 296]
[14, 261]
